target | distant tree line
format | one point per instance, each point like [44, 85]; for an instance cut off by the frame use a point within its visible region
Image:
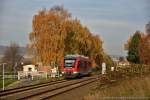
[12, 58]
[55, 34]
[138, 47]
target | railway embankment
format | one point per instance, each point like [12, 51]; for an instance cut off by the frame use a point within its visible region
[137, 88]
[131, 82]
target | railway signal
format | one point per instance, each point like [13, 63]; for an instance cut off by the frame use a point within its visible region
[103, 68]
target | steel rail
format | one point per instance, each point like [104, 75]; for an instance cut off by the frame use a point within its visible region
[33, 91]
[66, 89]
[58, 90]
[19, 89]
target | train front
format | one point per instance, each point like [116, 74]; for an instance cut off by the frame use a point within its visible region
[69, 67]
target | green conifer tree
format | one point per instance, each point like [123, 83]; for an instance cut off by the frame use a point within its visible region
[133, 52]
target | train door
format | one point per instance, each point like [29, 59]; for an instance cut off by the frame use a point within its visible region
[81, 67]
[85, 67]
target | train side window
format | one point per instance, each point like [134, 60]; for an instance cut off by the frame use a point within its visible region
[81, 64]
[89, 64]
[85, 63]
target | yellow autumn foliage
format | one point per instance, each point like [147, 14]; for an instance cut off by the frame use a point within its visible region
[55, 34]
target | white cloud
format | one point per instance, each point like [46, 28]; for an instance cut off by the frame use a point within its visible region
[109, 24]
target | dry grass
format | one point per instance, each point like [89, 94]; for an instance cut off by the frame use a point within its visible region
[136, 88]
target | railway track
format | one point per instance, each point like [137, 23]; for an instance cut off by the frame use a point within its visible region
[29, 87]
[45, 91]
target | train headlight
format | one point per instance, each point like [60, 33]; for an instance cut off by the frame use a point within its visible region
[75, 72]
[63, 72]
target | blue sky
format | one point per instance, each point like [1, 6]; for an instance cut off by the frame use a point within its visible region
[113, 20]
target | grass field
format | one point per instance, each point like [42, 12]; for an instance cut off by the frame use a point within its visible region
[135, 88]
[7, 82]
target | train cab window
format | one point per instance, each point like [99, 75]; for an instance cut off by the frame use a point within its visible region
[69, 63]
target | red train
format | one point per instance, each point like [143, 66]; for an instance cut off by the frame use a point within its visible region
[76, 66]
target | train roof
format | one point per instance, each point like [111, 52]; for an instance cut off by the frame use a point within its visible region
[76, 56]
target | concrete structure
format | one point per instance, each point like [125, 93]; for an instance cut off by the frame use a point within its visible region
[29, 71]
[29, 68]
[34, 71]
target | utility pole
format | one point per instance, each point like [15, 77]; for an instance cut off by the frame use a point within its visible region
[15, 70]
[3, 76]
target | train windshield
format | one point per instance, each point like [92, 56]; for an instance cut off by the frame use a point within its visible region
[69, 63]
